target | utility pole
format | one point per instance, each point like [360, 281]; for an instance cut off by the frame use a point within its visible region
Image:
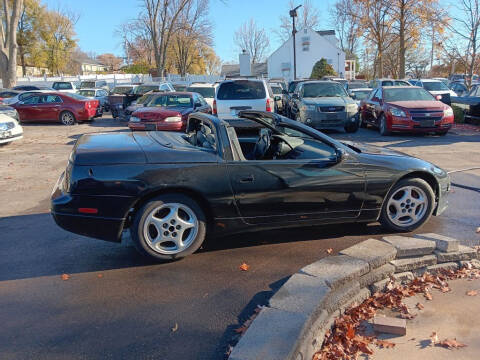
[293, 15]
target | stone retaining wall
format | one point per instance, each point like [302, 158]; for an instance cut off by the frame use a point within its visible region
[305, 307]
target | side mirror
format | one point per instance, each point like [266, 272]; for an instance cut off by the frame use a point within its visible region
[438, 97]
[341, 155]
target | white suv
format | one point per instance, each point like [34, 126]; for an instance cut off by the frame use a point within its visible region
[65, 86]
[204, 89]
[234, 95]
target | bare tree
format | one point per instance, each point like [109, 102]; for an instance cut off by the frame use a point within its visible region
[253, 40]
[8, 41]
[308, 17]
[162, 18]
[466, 28]
[346, 26]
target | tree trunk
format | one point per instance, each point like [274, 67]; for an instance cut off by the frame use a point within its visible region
[401, 50]
[22, 61]
[8, 48]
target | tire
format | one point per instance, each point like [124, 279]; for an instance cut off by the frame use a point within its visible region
[382, 128]
[352, 128]
[178, 228]
[67, 118]
[398, 214]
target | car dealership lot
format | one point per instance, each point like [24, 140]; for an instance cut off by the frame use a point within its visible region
[117, 304]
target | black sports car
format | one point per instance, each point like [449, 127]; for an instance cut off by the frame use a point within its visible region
[262, 171]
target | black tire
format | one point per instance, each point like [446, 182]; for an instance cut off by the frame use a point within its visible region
[382, 126]
[412, 182]
[137, 233]
[67, 118]
[352, 128]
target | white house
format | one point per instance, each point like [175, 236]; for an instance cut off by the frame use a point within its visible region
[310, 46]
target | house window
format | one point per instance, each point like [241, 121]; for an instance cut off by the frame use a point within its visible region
[286, 66]
[306, 43]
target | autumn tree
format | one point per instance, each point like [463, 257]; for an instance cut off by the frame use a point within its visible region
[10, 15]
[322, 68]
[111, 61]
[308, 17]
[346, 25]
[213, 63]
[253, 40]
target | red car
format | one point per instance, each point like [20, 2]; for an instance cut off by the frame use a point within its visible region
[53, 106]
[168, 111]
[405, 109]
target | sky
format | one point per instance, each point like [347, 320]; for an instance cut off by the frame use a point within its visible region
[99, 19]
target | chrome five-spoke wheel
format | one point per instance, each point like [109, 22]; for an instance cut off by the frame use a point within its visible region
[407, 206]
[170, 228]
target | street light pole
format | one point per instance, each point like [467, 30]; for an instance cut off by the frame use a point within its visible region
[293, 15]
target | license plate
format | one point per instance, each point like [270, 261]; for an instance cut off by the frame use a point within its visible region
[5, 134]
[427, 123]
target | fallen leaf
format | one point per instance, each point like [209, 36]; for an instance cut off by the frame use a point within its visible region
[329, 251]
[472, 293]
[428, 296]
[175, 328]
[444, 289]
[451, 344]
[385, 344]
[65, 277]
[244, 267]
[433, 338]
[350, 331]
[420, 306]
[99, 275]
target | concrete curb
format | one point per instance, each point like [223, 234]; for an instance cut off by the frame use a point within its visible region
[305, 307]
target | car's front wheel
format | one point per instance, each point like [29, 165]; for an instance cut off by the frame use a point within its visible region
[352, 127]
[408, 205]
[169, 227]
[383, 127]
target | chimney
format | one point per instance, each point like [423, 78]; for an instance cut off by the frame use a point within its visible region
[244, 61]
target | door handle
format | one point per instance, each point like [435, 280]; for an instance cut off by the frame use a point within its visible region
[247, 179]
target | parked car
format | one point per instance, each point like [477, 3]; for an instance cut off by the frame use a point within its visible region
[9, 111]
[23, 95]
[388, 82]
[120, 98]
[444, 80]
[287, 96]
[336, 79]
[139, 103]
[470, 103]
[356, 84]
[459, 88]
[10, 129]
[359, 94]
[204, 89]
[31, 87]
[436, 87]
[405, 109]
[180, 87]
[324, 105]
[6, 94]
[65, 86]
[168, 111]
[234, 95]
[277, 91]
[98, 94]
[123, 89]
[171, 190]
[66, 108]
[145, 88]
[462, 77]
[279, 81]
[93, 84]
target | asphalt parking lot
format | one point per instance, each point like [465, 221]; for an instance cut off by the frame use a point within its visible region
[118, 305]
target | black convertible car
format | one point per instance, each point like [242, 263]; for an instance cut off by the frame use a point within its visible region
[261, 171]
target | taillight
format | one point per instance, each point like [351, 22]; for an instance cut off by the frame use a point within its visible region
[269, 107]
[214, 107]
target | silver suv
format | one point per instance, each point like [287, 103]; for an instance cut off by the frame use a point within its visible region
[324, 105]
[235, 95]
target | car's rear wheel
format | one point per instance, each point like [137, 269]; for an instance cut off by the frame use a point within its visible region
[67, 118]
[169, 227]
[383, 127]
[408, 205]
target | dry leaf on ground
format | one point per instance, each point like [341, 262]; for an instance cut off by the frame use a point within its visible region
[99, 275]
[428, 296]
[175, 328]
[420, 306]
[472, 293]
[329, 251]
[385, 344]
[244, 267]
[65, 276]
[451, 344]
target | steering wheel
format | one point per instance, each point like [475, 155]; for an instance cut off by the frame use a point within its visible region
[262, 145]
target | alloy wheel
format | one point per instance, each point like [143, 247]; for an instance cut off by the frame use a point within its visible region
[407, 206]
[170, 228]
[68, 119]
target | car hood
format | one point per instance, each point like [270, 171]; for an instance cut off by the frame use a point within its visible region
[373, 149]
[419, 104]
[328, 101]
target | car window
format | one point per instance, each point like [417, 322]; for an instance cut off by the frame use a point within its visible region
[62, 86]
[122, 90]
[33, 99]
[241, 90]
[22, 97]
[207, 92]
[361, 94]
[326, 89]
[434, 86]
[142, 89]
[87, 93]
[407, 94]
[277, 90]
[292, 86]
[52, 99]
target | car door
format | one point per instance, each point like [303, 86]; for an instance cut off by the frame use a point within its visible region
[27, 108]
[318, 189]
[369, 107]
[48, 107]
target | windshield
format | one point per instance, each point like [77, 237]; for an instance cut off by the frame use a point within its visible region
[407, 94]
[122, 90]
[395, 83]
[142, 89]
[277, 90]
[361, 94]
[311, 90]
[87, 84]
[76, 96]
[87, 93]
[144, 99]
[434, 86]
[241, 90]
[172, 101]
[206, 92]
